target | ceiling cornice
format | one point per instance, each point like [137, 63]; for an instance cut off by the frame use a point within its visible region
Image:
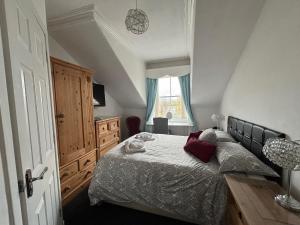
[74, 17]
[85, 14]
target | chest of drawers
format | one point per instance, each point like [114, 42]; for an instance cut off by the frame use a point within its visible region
[107, 134]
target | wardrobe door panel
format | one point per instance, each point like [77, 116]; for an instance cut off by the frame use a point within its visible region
[70, 116]
[88, 112]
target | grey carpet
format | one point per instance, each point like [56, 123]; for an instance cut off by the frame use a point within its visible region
[79, 212]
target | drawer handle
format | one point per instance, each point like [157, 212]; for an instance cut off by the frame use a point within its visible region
[87, 174]
[87, 162]
[66, 189]
[64, 175]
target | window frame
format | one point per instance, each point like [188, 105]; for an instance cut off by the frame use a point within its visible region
[177, 122]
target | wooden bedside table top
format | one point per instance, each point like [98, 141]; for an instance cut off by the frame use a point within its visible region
[255, 200]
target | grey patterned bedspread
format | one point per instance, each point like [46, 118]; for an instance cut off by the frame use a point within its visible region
[164, 177]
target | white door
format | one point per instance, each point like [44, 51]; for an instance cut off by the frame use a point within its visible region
[29, 89]
[4, 214]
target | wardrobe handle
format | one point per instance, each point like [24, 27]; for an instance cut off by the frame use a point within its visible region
[60, 116]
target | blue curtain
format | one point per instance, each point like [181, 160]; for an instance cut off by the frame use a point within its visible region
[151, 85]
[185, 87]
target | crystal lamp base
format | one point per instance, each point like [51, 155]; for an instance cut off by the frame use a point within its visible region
[288, 202]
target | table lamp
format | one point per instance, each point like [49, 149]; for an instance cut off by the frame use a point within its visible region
[169, 115]
[285, 154]
[217, 118]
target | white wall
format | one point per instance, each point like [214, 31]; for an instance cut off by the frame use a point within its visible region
[202, 114]
[57, 51]
[112, 107]
[222, 29]
[265, 86]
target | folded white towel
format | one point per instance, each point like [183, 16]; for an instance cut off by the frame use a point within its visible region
[134, 146]
[145, 136]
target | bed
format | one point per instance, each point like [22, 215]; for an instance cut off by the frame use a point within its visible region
[165, 180]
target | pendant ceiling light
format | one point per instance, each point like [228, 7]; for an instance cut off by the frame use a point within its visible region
[136, 20]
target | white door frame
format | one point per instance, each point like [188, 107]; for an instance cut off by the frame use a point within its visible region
[7, 154]
[7, 151]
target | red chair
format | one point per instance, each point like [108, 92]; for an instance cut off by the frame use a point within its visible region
[133, 125]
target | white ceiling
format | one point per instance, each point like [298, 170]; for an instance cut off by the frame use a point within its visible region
[167, 36]
[221, 32]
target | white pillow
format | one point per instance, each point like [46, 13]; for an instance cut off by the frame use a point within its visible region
[209, 135]
[233, 157]
[223, 136]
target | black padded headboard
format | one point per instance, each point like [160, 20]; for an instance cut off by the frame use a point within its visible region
[253, 137]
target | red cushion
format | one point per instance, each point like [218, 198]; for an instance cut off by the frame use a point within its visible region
[200, 149]
[194, 135]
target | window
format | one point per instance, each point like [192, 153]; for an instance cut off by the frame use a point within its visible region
[169, 99]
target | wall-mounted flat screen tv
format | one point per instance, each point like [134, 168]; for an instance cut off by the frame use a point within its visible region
[99, 95]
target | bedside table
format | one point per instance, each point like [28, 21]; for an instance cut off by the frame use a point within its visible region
[251, 202]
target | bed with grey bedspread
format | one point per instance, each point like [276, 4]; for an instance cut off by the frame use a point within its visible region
[164, 177]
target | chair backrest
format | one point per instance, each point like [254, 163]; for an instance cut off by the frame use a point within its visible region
[133, 125]
[160, 125]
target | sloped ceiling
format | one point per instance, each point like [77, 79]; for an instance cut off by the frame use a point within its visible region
[85, 37]
[94, 33]
[86, 42]
[167, 36]
[219, 35]
[222, 29]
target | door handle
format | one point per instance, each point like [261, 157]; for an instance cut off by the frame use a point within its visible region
[29, 180]
[41, 176]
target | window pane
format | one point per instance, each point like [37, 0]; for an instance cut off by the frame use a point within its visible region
[162, 106]
[175, 87]
[164, 86]
[177, 108]
[169, 99]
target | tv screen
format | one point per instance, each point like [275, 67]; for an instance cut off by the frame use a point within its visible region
[99, 95]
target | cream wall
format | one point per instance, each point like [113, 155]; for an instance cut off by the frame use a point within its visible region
[265, 87]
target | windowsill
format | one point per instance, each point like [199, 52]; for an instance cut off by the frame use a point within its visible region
[174, 124]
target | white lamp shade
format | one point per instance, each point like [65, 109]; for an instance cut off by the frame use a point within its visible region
[214, 117]
[169, 115]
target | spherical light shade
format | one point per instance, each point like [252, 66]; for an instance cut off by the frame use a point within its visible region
[282, 152]
[137, 21]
